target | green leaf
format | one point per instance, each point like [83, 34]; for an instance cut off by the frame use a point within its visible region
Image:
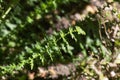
[98, 43]
[49, 52]
[54, 4]
[81, 46]
[63, 47]
[42, 58]
[71, 33]
[29, 19]
[38, 46]
[31, 63]
[43, 6]
[63, 36]
[28, 50]
[79, 30]
[10, 25]
[69, 49]
[11, 44]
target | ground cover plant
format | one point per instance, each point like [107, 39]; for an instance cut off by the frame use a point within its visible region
[59, 40]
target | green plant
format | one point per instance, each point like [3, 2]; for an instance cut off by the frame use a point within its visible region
[48, 49]
[25, 44]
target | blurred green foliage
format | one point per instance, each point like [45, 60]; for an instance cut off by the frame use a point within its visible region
[24, 42]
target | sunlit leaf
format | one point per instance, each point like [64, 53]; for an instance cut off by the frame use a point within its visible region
[79, 30]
